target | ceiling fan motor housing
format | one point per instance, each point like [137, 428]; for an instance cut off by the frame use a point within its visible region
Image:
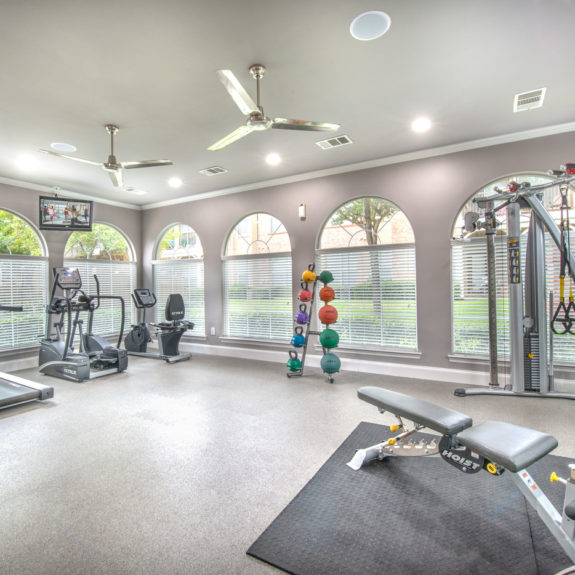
[258, 121]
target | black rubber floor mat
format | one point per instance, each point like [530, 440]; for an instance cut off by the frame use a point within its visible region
[410, 516]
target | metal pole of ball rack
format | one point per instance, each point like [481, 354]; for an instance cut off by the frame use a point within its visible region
[308, 332]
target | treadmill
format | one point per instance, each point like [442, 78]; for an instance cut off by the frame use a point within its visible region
[15, 390]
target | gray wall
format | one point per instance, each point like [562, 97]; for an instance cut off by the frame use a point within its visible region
[430, 192]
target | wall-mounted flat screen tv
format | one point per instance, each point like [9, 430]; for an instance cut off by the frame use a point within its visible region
[65, 214]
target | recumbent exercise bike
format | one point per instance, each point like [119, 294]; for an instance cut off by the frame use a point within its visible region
[168, 333]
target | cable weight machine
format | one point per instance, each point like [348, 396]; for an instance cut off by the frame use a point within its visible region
[531, 360]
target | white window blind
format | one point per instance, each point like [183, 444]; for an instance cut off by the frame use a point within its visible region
[375, 295]
[185, 277]
[470, 326]
[23, 282]
[258, 297]
[116, 278]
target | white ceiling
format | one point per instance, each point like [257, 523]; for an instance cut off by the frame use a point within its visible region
[68, 67]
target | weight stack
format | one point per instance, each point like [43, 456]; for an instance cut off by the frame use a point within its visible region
[531, 362]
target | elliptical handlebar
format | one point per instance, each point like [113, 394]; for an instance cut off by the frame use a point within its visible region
[123, 306]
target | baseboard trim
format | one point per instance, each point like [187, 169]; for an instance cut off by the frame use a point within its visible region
[448, 375]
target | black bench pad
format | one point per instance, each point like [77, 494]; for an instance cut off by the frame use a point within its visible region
[441, 419]
[508, 445]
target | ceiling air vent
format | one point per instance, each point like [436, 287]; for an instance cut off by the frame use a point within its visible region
[529, 100]
[214, 170]
[334, 142]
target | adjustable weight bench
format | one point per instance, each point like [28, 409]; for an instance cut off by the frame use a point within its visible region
[494, 446]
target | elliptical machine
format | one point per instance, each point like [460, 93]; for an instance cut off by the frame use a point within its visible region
[96, 357]
[168, 333]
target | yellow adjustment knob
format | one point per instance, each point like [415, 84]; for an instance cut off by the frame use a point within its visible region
[393, 427]
[391, 441]
[491, 468]
[553, 477]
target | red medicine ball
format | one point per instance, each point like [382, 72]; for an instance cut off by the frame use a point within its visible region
[304, 295]
[326, 294]
[327, 314]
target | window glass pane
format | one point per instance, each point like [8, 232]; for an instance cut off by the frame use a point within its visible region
[258, 234]
[258, 298]
[375, 286]
[102, 243]
[185, 277]
[366, 221]
[179, 242]
[375, 295]
[17, 237]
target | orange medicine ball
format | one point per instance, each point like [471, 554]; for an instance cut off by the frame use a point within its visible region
[326, 294]
[327, 314]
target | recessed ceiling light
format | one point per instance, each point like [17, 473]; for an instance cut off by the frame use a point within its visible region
[421, 125]
[62, 147]
[370, 25]
[273, 159]
[27, 163]
[175, 182]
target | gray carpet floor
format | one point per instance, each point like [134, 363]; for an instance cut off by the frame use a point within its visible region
[179, 468]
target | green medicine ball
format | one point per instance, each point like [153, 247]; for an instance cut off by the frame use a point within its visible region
[325, 277]
[330, 363]
[329, 338]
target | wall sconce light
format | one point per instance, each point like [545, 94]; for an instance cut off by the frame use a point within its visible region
[301, 212]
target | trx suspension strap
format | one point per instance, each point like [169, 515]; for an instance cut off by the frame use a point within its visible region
[564, 318]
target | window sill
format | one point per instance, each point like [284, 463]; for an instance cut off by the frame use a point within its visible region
[259, 342]
[375, 351]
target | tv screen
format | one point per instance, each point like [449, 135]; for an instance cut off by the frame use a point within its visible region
[65, 214]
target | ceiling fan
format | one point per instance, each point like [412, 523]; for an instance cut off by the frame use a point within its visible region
[112, 166]
[257, 120]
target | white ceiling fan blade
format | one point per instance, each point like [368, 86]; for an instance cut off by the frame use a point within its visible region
[145, 164]
[230, 138]
[70, 157]
[116, 177]
[242, 99]
[285, 124]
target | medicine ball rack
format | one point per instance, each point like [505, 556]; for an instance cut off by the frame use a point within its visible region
[303, 318]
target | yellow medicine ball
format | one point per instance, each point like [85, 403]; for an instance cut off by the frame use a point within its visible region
[308, 276]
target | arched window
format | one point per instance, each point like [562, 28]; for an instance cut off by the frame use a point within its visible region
[23, 282]
[105, 252]
[369, 247]
[470, 320]
[179, 268]
[257, 280]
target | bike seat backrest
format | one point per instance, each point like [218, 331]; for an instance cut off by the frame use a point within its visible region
[175, 308]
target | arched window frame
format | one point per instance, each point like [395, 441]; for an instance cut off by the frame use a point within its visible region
[184, 274]
[469, 314]
[375, 285]
[257, 291]
[116, 277]
[23, 282]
